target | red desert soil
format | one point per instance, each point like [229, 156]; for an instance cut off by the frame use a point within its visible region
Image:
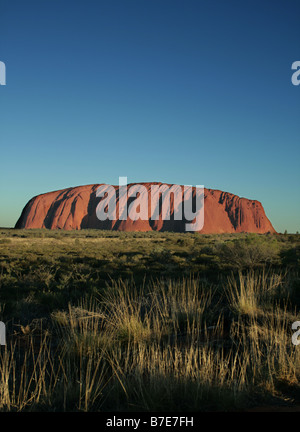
[75, 208]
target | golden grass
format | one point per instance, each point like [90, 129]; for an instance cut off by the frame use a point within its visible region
[155, 348]
[246, 293]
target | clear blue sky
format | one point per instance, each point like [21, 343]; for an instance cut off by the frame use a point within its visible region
[178, 91]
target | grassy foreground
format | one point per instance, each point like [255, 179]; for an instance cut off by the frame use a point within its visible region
[108, 321]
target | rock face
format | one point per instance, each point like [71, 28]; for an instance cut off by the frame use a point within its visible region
[75, 208]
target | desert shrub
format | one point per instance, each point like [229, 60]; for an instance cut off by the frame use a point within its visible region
[291, 256]
[251, 252]
[160, 254]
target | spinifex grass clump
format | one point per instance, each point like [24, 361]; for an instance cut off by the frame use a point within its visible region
[247, 293]
[37, 376]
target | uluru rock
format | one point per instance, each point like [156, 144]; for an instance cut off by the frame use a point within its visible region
[75, 208]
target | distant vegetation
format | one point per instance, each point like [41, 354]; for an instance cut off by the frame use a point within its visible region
[121, 321]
